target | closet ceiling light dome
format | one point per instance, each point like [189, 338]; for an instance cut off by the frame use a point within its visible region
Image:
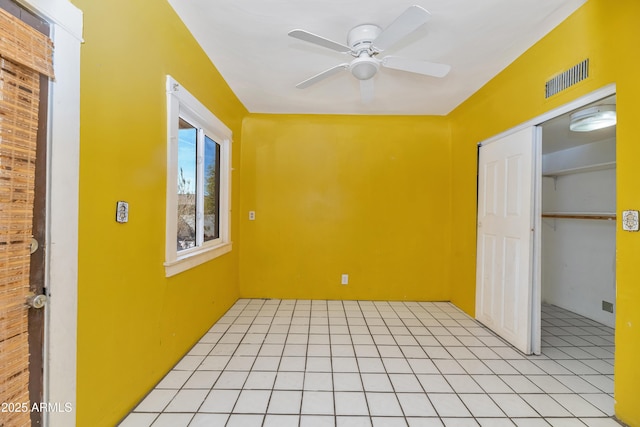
[593, 118]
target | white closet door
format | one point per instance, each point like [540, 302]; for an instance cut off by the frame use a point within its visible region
[505, 237]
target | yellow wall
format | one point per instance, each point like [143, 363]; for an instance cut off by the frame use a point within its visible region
[366, 196]
[608, 34]
[374, 197]
[133, 323]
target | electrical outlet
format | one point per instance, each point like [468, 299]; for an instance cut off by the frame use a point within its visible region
[345, 279]
[252, 215]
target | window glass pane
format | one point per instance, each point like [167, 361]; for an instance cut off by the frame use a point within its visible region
[211, 189]
[187, 155]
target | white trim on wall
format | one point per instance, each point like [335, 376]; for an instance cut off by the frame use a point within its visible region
[61, 275]
[61, 13]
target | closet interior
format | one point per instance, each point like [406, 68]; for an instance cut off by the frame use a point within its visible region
[579, 218]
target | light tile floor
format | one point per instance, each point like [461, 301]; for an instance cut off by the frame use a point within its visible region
[301, 363]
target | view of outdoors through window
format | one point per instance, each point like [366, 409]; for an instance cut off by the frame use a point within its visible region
[187, 156]
[198, 205]
[211, 189]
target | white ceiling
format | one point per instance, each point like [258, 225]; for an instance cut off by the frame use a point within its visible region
[248, 43]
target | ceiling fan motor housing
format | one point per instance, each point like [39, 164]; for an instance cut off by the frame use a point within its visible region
[361, 37]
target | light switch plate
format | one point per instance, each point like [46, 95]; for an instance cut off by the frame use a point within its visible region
[630, 220]
[122, 212]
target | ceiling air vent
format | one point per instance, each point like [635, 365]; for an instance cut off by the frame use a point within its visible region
[573, 75]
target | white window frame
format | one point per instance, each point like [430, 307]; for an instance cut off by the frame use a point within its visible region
[182, 104]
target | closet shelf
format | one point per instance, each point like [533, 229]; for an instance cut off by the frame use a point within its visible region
[589, 168]
[580, 215]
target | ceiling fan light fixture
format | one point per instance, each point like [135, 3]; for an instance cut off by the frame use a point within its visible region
[364, 67]
[593, 118]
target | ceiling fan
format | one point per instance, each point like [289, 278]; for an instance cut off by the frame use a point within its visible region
[365, 42]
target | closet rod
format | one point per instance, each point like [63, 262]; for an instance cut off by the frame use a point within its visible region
[609, 217]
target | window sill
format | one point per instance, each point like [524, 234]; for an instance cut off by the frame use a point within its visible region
[194, 259]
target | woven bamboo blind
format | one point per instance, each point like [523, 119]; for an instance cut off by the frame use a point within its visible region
[23, 45]
[19, 99]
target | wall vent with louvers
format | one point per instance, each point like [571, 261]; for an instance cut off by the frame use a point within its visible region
[562, 81]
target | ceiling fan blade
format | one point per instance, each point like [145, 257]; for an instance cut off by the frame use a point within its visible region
[432, 69]
[319, 40]
[367, 90]
[321, 76]
[409, 21]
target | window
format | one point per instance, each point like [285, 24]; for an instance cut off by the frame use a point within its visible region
[198, 182]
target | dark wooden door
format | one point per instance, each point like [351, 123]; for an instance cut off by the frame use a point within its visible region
[38, 259]
[38, 256]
